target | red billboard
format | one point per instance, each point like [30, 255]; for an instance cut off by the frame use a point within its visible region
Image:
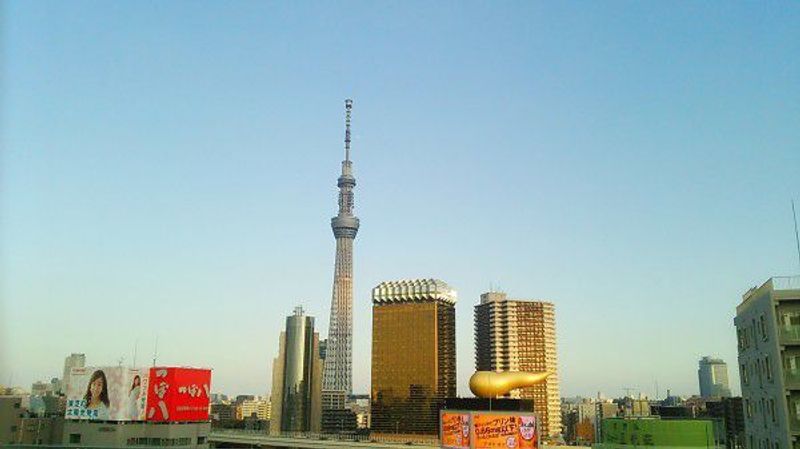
[178, 394]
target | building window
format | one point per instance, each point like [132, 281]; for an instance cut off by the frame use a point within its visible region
[772, 409]
[768, 367]
[762, 327]
[74, 438]
[745, 379]
[758, 370]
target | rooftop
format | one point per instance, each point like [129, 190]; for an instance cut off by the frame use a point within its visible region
[406, 290]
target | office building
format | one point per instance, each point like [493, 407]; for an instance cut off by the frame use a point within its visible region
[520, 335]
[413, 355]
[768, 333]
[74, 360]
[297, 378]
[259, 408]
[42, 389]
[713, 376]
[338, 375]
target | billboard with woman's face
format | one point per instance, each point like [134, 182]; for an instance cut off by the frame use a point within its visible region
[107, 394]
[455, 430]
[505, 430]
[488, 430]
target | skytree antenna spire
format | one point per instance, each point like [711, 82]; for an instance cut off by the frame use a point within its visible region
[338, 376]
[348, 107]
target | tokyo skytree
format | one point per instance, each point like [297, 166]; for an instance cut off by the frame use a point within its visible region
[338, 374]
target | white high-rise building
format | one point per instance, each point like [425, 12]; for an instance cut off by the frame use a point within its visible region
[713, 376]
[74, 360]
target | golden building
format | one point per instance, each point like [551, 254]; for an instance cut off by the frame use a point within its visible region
[518, 335]
[413, 355]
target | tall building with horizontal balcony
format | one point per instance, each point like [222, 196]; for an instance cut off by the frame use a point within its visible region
[413, 355]
[520, 335]
[713, 378]
[768, 333]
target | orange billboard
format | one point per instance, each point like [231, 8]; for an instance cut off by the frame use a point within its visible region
[504, 431]
[455, 430]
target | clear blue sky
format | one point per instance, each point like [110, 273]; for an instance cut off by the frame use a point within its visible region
[169, 168]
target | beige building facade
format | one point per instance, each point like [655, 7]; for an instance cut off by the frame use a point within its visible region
[520, 335]
[132, 434]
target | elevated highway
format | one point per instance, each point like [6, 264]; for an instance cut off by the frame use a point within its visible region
[243, 438]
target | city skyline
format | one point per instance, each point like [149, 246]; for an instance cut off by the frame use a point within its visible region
[178, 188]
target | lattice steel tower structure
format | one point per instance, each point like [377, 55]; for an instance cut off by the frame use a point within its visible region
[338, 375]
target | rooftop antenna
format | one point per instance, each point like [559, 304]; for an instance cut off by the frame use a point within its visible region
[348, 106]
[796, 236]
[628, 391]
[155, 352]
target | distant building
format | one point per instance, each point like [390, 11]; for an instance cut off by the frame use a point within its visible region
[223, 412]
[74, 360]
[360, 405]
[297, 378]
[520, 335]
[218, 398]
[731, 412]
[768, 332]
[258, 407]
[413, 355]
[713, 376]
[12, 410]
[42, 389]
[578, 421]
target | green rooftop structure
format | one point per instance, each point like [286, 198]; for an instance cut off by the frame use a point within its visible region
[653, 432]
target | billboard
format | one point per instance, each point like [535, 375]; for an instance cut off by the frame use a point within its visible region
[488, 430]
[505, 430]
[455, 430]
[178, 394]
[106, 394]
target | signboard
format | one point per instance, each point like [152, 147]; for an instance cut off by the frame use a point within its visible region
[505, 430]
[488, 430]
[455, 430]
[178, 394]
[106, 394]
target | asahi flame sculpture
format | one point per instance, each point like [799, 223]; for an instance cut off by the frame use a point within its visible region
[490, 384]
